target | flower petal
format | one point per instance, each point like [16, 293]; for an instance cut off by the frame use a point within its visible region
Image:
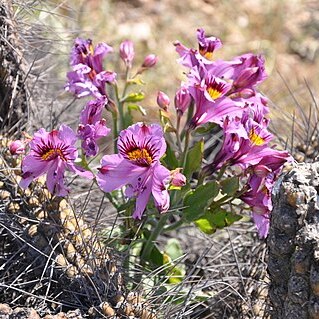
[117, 172]
[161, 176]
[142, 199]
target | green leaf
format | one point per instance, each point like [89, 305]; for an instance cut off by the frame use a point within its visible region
[136, 107]
[204, 129]
[134, 97]
[230, 185]
[232, 217]
[196, 201]
[176, 275]
[217, 219]
[205, 225]
[156, 257]
[173, 248]
[170, 159]
[194, 159]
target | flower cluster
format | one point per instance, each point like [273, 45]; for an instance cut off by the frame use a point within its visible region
[224, 92]
[215, 91]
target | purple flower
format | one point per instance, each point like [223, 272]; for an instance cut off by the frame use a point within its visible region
[16, 147]
[127, 52]
[89, 134]
[84, 81]
[52, 153]
[245, 143]
[138, 166]
[177, 178]
[163, 100]
[182, 100]
[92, 112]
[88, 76]
[83, 52]
[210, 96]
[202, 56]
[207, 45]
[249, 71]
[150, 61]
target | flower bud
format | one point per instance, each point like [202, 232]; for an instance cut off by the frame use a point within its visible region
[150, 61]
[163, 100]
[182, 100]
[16, 147]
[177, 178]
[127, 52]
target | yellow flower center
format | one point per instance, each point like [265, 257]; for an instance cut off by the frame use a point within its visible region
[255, 138]
[53, 153]
[208, 55]
[140, 154]
[213, 93]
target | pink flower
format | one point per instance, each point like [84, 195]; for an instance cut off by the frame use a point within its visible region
[163, 100]
[89, 134]
[177, 178]
[150, 61]
[52, 153]
[88, 76]
[182, 100]
[258, 197]
[127, 52]
[16, 147]
[137, 165]
[207, 45]
[92, 112]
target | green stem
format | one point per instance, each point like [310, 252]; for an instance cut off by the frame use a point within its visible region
[115, 131]
[186, 146]
[201, 178]
[221, 172]
[174, 226]
[120, 106]
[126, 85]
[178, 138]
[221, 201]
[188, 120]
[153, 236]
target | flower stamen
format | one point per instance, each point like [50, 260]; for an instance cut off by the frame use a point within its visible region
[140, 155]
[52, 154]
[255, 138]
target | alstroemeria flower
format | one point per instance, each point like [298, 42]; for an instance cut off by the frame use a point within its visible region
[52, 153]
[92, 112]
[245, 143]
[127, 52]
[83, 52]
[89, 134]
[88, 76]
[207, 45]
[182, 100]
[258, 197]
[204, 55]
[210, 97]
[17, 147]
[137, 165]
[250, 71]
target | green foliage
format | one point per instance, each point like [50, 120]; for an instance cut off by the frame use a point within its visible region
[194, 159]
[196, 201]
[216, 219]
[230, 186]
[133, 97]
